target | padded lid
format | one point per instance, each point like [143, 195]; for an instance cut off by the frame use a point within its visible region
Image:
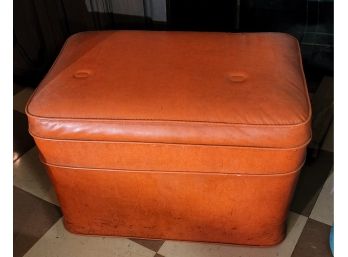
[243, 89]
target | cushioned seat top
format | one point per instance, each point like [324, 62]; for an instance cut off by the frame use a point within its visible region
[244, 89]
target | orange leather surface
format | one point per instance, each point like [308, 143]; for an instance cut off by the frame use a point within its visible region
[175, 87]
[174, 135]
[168, 205]
[170, 157]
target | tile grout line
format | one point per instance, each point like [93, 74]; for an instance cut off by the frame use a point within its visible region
[25, 189]
[298, 238]
[316, 202]
[36, 196]
[43, 235]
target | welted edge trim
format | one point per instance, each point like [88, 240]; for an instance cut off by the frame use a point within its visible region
[175, 172]
[167, 143]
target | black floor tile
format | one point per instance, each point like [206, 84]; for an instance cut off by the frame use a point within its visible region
[314, 241]
[32, 217]
[153, 245]
[312, 178]
[22, 141]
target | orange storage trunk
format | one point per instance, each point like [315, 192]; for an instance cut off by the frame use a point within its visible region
[174, 135]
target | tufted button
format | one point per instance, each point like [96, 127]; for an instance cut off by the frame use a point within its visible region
[236, 76]
[82, 74]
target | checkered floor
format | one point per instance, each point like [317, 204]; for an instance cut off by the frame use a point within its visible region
[39, 232]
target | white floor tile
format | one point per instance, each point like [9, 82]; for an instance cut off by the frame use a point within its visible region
[296, 223]
[21, 98]
[323, 208]
[30, 175]
[58, 242]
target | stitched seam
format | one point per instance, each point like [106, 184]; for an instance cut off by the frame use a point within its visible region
[304, 80]
[43, 85]
[165, 143]
[205, 123]
[184, 171]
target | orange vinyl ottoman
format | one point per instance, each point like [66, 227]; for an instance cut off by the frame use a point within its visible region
[174, 135]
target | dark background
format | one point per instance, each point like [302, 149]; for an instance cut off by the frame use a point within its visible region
[41, 26]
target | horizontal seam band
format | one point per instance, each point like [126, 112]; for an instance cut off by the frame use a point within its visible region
[161, 171]
[167, 143]
[193, 122]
